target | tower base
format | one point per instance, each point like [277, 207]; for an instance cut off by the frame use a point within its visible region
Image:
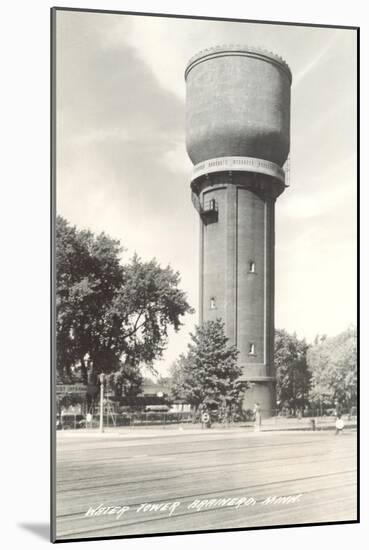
[264, 393]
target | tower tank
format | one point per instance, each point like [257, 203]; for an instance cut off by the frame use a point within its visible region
[238, 138]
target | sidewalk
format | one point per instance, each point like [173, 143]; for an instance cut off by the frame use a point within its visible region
[277, 423]
[154, 431]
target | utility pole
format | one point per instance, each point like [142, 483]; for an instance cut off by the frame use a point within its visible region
[102, 378]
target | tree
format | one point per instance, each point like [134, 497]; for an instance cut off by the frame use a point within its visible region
[333, 363]
[208, 373]
[293, 375]
[88, 274]
[116, 314]
[127, 381]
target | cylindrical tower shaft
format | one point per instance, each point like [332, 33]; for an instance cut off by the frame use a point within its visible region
[237, 276]
[238, 104]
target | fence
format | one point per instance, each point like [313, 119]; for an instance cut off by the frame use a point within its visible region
[275, 421]
[76, 421]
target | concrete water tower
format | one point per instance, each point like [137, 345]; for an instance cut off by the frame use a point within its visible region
[238, 138]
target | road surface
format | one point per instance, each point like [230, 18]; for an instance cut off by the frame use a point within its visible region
[131, 482]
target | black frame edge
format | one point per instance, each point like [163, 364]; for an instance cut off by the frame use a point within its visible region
[52, 274]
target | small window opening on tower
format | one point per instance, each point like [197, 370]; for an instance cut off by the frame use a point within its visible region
[212, 303]
[209, 211]
[251, 267]
[251, 349]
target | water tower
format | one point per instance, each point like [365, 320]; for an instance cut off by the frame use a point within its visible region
[238, 138]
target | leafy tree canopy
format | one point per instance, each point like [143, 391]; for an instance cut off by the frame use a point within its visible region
[127, 381]
[114, 313]
[208, 373]
[333, 364]
[293, 375]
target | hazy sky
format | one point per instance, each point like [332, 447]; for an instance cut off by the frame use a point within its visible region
[122, 166]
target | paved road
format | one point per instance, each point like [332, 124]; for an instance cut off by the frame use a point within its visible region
[203, 480]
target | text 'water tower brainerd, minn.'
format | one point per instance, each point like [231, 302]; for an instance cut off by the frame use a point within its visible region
[238, 138]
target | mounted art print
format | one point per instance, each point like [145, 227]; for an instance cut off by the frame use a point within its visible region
[204, 342]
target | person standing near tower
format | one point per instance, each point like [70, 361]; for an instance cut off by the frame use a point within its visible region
[339, 425]
[257, 415]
